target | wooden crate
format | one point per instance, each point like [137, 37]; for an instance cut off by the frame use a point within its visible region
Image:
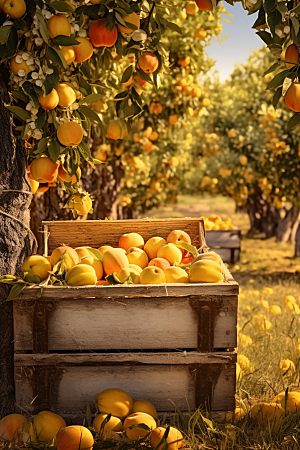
[164, 343]
[227, 243]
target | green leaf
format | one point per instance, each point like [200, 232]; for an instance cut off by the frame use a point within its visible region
[278, 79]
[84, 85]
[85, 151]
[54, 149]
[127, 74]
[19, 112]
[95, 253]
[185, 246]
[8, 279]
[254, 8]
[173, 26]
[4, 33]
[61, 6]
[273, 18]
[286, 84]
[266, 37]
[42, 26]
[30, 278]
[294, 120]
[144, 76]
[29, 89]
[111, 21]
[113, 278]
[41, 118]
[51, 80]
[20, 96]
[16, 290]
[64, 40]
[92, 11]
[295, 23]
[277, 97]
[272, 68]
[90, 114]
[20, 24]
[42, 145]
[91, 99]
[9, 49]
[57, 57]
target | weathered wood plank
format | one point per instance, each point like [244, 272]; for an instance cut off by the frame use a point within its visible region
[227, 243]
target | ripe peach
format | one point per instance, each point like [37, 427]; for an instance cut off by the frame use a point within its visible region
[178, 235]
[153, 245]
[74, 437]
[66, 95]
[15, 66]
[148, 62]
[104, 248]
[46, 425]
[209, 255]
[128, 240]
[292, 56]
[95, 264]
[68, 52]
[65, 177]
[144, 407]
[14, 8]
[204, 5]
[102, 36]
[82, 204]
[70, 259]
[184, 62]
[153, 136]
[137, 256]
[11, 425]
[196, 92]
[152, 275]
[171, 253]
[292, 97]
[113, 261]
[264, 412]
[136, 419]
[176, 275]
[115, 402]
[159, 262]
[49, 101]
[114, 423]
[84, 50]
[292, 404]
[174, 439]
[130, 18]
[58, 25]
[81, 275]
[70, 133]
[205, 271]
[116, 130]
[43, 170]
[191, 8]
[36, 265]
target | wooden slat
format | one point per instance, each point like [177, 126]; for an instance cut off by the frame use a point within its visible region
[95, 233]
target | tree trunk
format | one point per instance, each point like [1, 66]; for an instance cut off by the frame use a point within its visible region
[286, 224]
[264, 217]
[15, 238]
[297, 242]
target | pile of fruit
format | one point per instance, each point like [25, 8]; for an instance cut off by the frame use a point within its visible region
[117, 416]
[215, 222]
[159, 260]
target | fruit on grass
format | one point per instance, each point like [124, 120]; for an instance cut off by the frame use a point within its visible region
[14, 8]
[171, 253]
[287, 366]
[68, 52]
[34, 185]
[292, 56]
[127, 272]
[174, 439]
[116, 130]
[238, 414]
[11, 425]
[16, 66]
[66, 95]
[204, 5]
[184, 62]
[205, 271]
[84, 50]
[176, 275]
[292, 404]
[70, 133]
[70, 259]
[162, 263]
[36, 265]
[47, 425]
[82, 204]
[144, 407]
[74, 437]
[178, 235]
[191, 8]
[96, 264]
[102, 36]
[58, 25]
[104, 248]
[81, 275]
[130, 18]
[152, 275]
[49, 101]
[65, 177]
[115, 402]
[114, 423]
[137, 418]
[148, 62]
[292, 97]
[137, 256]
[153, 245]
[114, 260]
[264, 412]
[128, 240]
[135, 267]
[209, 255]
[43, 170]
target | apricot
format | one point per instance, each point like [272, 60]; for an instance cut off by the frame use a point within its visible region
[69, 133]
[68, 52]
[114, 261]
[187, 259]
[204, 5]
[116, 130]
[36, 265]
[96, 264]
[173, 118]
[49, 101]
[102, 36]
[82, 252]
[84, 50]
[135, 267]
[128, 240]
[174, 439]
[15, 66]
[196, 92]
[292, 404]
[14, 8]
[11, 425]
[292, 56]
[200, 34]
[171, 253]
[65, 177]
[264, 412]
[191, 8]
[178, 235]
[66, 95]
[82, 204]
[114, 423]
[74, 437]
[81, 275]
[184, 62]
[99, 106]
[43, 170]
[127, 272]
[148, 62]
[130, 18]
[292, 97]
[137, 256]
[137, 418]
[115, 402]
[176, 275]
[34, 185]
[104, 248]
[46, 425]
[152, 275]
[58, 25]
[209, 255]
[144, 407]
[205, 271]
[70, 259]
[153, 245]
[159, 262]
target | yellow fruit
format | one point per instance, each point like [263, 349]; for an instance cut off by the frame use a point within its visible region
[99, 106]
[153, 245]
[81, 204]
[200, 33]
[136, 419]
[171, 253]
[44, 170]
[74, 437]
[34, 185]
[135, 267]
[66, 95]
[115, 402]
[137, 256]
[65, 177]
[127, 272]
[58, 25]
[238, 414]
[82, 252]
[289, 299]
[205, 271]
[174, 439]
[11, 426]
[114, 260]
[70, 133]
[70, 259]
[144, 407]
[49, 101]
[68, 53]
[128, 240]
[293, 402]
[15, 66]
[37, 265]
[81, 275]
[84, 50]
[95, 264]
[47, 425]
[152, 275]
[286, 365]
[116, 130]
[243, 160]
[265, 412]
[176, 275]
[173, 118]
[191, 8]
[114, 423]
[130, 18]
[14, 8]
[209, 255]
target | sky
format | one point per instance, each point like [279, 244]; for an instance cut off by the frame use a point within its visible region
[241, 40]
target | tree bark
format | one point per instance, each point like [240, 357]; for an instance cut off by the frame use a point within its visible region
[297, 242]
[286, 224]
[15, 239]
